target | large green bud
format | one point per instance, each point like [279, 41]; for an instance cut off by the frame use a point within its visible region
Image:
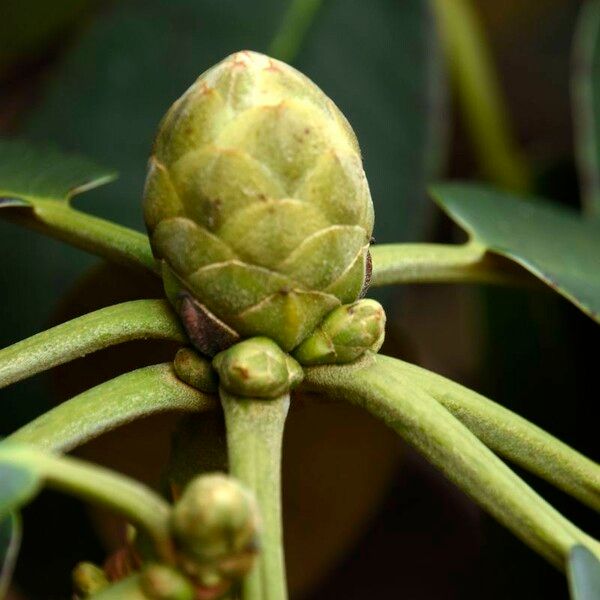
[258, 205]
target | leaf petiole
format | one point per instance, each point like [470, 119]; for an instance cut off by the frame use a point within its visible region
[137, 503]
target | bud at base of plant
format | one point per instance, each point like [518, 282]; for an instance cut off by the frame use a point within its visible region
[160, 582]
[195, 370]
[216, 526]
[257, 368]
[88, 579]
[345, 335]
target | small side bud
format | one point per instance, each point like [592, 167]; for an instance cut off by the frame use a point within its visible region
[215, 524]
[160, 582]
[88, 579]
[195, 370]
[345, 335]
[257, 368]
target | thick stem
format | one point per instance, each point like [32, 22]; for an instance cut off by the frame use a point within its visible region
[441, 263]
[87, 232]
[479, 92]
[510, 435]
[254, 438]
[139, 319]
[140, 393]
[137, 503]
[420, 419]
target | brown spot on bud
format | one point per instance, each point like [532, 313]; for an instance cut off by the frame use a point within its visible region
[207, 333]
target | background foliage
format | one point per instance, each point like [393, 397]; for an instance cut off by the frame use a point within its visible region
[97, 78]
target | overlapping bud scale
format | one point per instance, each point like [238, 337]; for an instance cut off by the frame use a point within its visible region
[256, 199]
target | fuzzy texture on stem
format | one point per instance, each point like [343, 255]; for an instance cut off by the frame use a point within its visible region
[375, 384]
[510, 435]
[135, 320]
[143, 392]
[442, 263]
[254, 438]
[92, 234]
[133, 500]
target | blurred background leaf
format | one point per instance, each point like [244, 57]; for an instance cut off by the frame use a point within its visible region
[584, 574]
[553, 242]
[585, 87]
[27, 28]
[10, 541]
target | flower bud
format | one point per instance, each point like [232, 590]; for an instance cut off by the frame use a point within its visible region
[257, 368]
[257, 202]
[160, 582]
[345, 335]
[195, 371]
[215, 524]
[88, 579]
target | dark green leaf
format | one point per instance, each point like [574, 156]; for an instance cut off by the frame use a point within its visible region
[29, 172]
[10, 541]
[18, 485]
[586, 104]
[554, 243]
[379, 62]
[584, 574]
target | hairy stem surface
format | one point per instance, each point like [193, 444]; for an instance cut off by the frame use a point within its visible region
[510, 435]
[254, 438]
[140, 505]
[95, 235]
[137, 394]
[139, 319]
[375, 384]
[441, 263]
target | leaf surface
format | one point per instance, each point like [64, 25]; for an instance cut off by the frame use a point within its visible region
[19, 484]
[30, 173]
[554, 243]
[10, 542]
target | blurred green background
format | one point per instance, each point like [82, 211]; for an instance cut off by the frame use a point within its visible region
[95, 77]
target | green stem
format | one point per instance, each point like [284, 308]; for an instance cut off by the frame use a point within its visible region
[137, 503]
[296, 22]
[92, 234]
[124, 589]
[139, 319]
[510, 435]
[479, 92]
[441, 263]
[254, 438]
[143, 392]
[376, 384]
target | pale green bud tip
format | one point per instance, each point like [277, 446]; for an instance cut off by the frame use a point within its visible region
[88, 579]
[195, 370]
[345, 335]
[215, 519]
[257, 368]
[160, 582]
